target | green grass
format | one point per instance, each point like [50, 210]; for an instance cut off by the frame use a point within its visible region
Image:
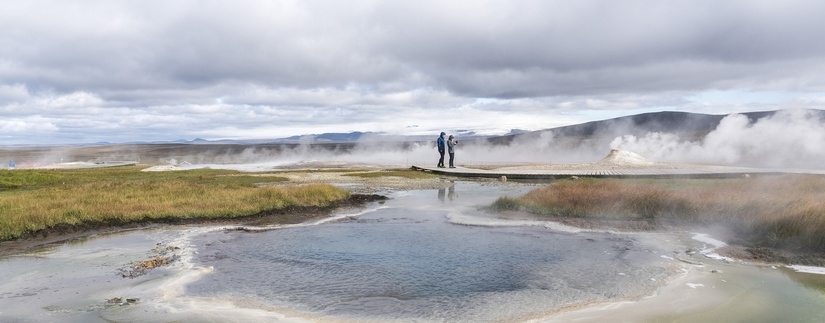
[782, 212]
[329, 170]
[405, 173]
[33, 200]
[34, 178]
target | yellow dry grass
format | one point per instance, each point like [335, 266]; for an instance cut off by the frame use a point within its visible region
[780, 211]
[42, 199]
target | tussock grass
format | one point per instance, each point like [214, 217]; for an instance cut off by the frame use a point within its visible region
[32, 200]
[782, 211]
[506, 203]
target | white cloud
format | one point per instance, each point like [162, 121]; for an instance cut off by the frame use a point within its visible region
[287, 65]
[29, 126]
[13, 93]
[71, 100]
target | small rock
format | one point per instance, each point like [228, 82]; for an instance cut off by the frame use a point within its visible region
[716, 271]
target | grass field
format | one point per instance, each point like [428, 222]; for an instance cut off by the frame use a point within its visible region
[786, 212]
[33, 200]
[405, 173]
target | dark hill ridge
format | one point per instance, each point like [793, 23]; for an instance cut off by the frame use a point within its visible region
[686, 124]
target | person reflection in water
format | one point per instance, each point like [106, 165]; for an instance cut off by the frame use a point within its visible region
[448, 193]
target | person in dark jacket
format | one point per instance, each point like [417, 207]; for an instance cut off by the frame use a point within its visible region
[451, 149]
[440, 146]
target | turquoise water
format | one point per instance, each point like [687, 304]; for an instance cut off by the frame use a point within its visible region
[406, 261]
[394, 264]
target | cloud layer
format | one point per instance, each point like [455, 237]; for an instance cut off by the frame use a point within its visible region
[94, 70]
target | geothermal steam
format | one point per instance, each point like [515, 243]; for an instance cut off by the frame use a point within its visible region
[788, 139]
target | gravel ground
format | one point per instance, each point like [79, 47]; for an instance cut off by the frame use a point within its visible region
[372, 185]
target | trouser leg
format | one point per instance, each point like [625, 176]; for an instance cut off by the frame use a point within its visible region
[452, 157]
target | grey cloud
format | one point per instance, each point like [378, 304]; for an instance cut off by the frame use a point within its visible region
[492, 48]
[602, 47]
[251, 64]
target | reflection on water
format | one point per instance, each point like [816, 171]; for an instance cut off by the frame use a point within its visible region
[406, 262]
[449, 192]
[813, 281]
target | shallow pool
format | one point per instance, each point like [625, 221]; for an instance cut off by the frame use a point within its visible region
[423, 256]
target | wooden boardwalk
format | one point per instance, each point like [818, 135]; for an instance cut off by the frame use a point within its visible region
[697, 171]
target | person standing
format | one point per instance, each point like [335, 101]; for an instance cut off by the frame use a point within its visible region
[440, 146]
[451, 142]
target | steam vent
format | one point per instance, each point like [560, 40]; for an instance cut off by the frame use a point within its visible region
[617, 164]
[621, 157]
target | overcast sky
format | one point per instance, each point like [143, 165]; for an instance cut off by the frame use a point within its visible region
[86, 71]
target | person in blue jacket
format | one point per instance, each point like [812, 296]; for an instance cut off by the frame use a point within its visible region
[440, 146]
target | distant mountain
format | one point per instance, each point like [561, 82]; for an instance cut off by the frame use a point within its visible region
[351, 137]
[687, 125]
[575, 143]
[328, 137]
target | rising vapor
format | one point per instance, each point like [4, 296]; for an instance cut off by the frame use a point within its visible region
[787, 139]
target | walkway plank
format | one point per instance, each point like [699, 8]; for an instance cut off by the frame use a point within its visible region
[697, 171]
